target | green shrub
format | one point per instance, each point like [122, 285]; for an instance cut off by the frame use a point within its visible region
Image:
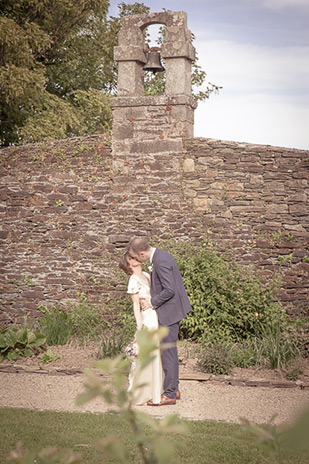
[121, 309]
[276, 347]
[48, 357]
[243, 354]
[82, 321]
[112, 344]
[16, 343]
[56, 324]
[230, 303]
[87, 320]
[298, 330]
[215, 359]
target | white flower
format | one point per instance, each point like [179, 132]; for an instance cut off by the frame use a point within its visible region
[150, 268]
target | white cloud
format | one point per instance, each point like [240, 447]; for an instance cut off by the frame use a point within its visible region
[265, 96]
[246, 67]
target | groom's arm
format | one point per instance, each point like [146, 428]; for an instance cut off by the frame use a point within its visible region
[165, 273]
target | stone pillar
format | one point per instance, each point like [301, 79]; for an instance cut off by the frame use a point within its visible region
[178, 52]
[153, 124]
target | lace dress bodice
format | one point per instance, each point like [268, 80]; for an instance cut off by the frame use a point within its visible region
[138, 285]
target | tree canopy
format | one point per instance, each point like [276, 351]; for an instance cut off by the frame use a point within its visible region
[57, 72]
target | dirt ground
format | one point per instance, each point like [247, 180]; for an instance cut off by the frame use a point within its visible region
[213, 399]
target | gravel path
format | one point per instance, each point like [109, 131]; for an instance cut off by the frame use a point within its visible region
[200, 400]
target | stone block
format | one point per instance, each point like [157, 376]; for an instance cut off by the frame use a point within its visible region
[211, 173]
[178, 49]
[203, 203]
[190, 193]
[129, 53]
[277, 208]
[130, 78]
[156, 146]
[123, 131]
[299, 209]
[178, 76]
[195, 183]
[189, 165]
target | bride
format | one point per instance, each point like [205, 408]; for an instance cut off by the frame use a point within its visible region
[152, 375]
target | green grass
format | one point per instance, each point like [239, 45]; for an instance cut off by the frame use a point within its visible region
[204, 442]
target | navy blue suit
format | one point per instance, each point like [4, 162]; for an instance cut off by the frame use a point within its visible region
[170, 300]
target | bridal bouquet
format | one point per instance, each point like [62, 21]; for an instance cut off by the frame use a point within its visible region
[131, 350]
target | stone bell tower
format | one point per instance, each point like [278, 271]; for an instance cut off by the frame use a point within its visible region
[153, 124]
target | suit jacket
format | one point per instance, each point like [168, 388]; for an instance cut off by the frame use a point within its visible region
[168, 294]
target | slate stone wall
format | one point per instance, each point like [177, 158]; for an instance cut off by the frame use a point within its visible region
[69, 207]
[254, 198]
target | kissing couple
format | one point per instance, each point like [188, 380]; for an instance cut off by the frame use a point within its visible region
[159, 299]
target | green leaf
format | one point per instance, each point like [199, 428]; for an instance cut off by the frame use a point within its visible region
[13, 356]
[2, 341]
[40, 339]
[21, 336]
[27, 352]
[10, 338]
[31, 337]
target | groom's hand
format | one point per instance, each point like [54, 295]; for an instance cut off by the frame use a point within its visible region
[145, 303]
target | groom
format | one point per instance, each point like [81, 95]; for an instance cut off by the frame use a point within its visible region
[170, 300]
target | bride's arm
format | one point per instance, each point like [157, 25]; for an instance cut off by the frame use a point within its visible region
[137, 310]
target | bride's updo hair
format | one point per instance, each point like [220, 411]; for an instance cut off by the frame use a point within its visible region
[124, 264]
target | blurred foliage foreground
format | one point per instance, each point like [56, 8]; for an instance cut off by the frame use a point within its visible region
[156, 448]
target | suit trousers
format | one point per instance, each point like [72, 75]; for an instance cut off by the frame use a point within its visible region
[169, 359]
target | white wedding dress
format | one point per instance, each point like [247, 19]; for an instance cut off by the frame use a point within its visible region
[152, 374]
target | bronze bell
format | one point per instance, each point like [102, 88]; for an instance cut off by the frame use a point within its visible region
[153, 61]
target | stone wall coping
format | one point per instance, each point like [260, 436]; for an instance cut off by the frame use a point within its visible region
[156, 100]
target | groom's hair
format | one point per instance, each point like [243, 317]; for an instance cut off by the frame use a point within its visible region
[138, 244]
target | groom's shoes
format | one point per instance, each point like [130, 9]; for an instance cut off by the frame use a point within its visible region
[165, 401]
[177, 395]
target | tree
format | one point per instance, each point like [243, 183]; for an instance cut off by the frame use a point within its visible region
[54, 69]
[57, 72]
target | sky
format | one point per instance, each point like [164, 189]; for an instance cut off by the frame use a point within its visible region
[258, 51]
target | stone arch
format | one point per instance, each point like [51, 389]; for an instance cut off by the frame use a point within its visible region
[177, 50]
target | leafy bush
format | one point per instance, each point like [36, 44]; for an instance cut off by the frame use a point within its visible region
[243, 354]
[56, 324]
[274, 348]
[298, 330]
[121, 310]
[215, 359]
[15, 343]
[87, 320]
[230, 303]
[112, 344]
[82, 321]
